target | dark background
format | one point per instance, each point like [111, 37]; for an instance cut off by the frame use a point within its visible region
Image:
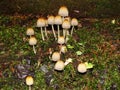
[84, 8]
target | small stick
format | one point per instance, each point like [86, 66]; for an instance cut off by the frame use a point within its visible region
[42, 34]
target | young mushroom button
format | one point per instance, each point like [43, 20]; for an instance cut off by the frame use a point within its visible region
[59, 65]
[29, 81]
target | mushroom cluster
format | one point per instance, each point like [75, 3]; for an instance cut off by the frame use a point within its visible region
[62, 19]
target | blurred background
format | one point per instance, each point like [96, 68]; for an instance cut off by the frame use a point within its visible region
[77, 8]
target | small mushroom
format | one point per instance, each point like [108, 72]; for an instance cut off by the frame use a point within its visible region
[30, 32]
[59, 65]
[63, 11]
[63, 49]
[74, 22]
[58, 21]
[29, 81]
[66, 25]
[33, 42]
[61, 40]
[51, 21]
[82, 68]
[41, 23]
[55, 56]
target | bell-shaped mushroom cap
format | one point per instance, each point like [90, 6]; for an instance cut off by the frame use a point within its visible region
[41, 22]
[51, 20]
[61, 40]
[68, 18]
[30, 31]
[63, 11]
[59, 65]
[55, 56]
[74, 22]
[58, 20]
[29, 80]
[63, 49]
[32, 41]
[82, 68]
[66, 24]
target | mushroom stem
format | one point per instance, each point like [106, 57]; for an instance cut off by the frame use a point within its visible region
[72, 30]
[64, 32]
[46, 32]
[42, 34]
[58, 30]
[34, 49]
[60, 48]
[30, 87]
[54, 32]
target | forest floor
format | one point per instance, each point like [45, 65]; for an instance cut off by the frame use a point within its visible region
[98, 40]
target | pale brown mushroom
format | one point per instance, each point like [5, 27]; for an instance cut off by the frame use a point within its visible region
[29, 81]
[41, 23]
[33, 42]
[74, 22]
[51, 21]
[59, 65]
[58, 22]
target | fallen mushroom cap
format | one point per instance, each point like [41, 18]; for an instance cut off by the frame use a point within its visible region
[55, 56]
[82, 68]
[61, 40]
[51, 20]
[63, 11]
[66, 24]
[32, 41]
[59, 65]
[29, 80]
[30, 31]
[74, 22]
[41, 22]
[58, 20]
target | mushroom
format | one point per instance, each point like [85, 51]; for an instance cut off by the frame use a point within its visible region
[61, 40]
[65, 25]
[82, 68]
[29, 81]
[51, 21]
[41, 23]
[30, 32]
[33, 41]
[74, 22]
[63, 11]
[59, 65]
[58, 21]
[63, 49]
[55, 56]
